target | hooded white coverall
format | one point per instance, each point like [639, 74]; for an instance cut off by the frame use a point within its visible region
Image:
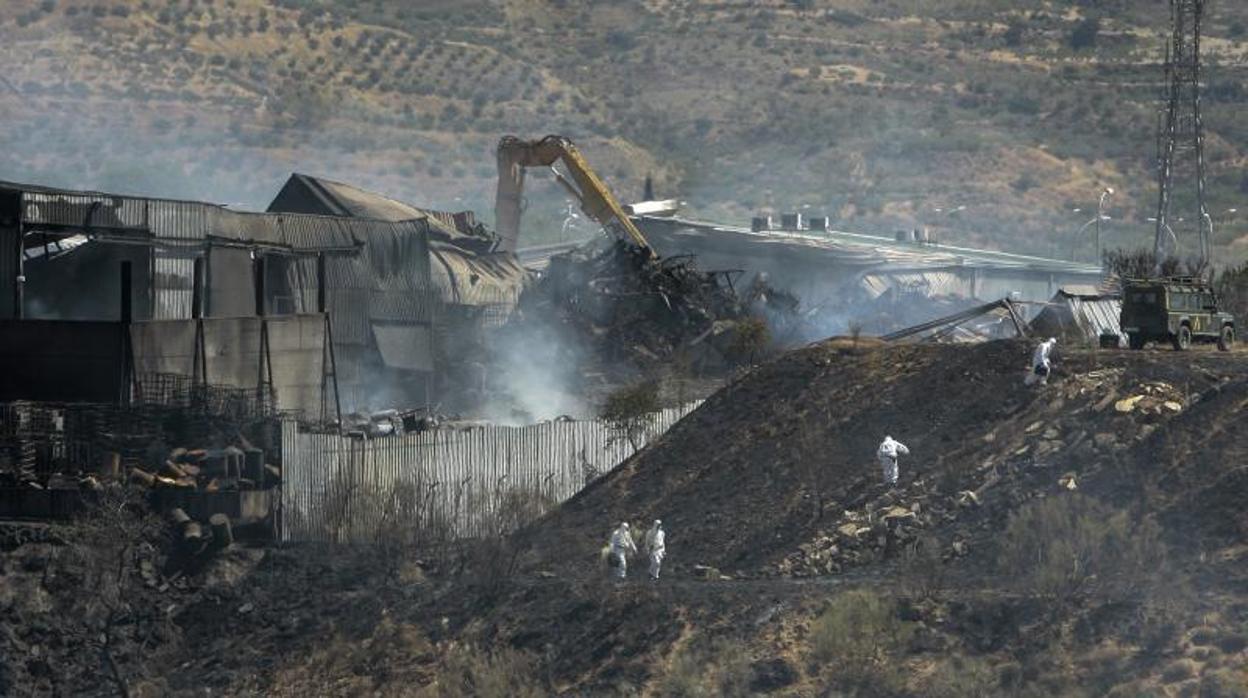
[1040, 363]
[889, 450]
[622, 546]
[656, 547]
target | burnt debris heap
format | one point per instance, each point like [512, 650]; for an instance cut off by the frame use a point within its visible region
[637, 313]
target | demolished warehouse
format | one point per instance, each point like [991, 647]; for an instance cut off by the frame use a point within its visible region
[478, 285]
[61, 250]
[870, 283]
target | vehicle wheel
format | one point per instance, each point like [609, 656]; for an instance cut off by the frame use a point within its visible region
[1183, 340]
[1227, 339]
[1135, 341]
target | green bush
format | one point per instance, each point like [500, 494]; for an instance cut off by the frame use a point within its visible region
[1085, 34]
[630, 411]
[1070, 545]
[721, 670]
[962, 677]
[855, 639]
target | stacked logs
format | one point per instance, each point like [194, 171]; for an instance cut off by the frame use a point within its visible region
[210, 470]
[195, 538]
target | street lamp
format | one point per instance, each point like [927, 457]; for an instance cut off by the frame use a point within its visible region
[1074, 244]
[1100, 215]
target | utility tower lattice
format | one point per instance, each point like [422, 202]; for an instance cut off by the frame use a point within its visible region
[1181, 139]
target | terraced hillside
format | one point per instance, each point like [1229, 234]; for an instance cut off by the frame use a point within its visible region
[881, 114]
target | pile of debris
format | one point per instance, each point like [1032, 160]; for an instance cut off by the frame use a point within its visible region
[1155, 398]
[631, 308]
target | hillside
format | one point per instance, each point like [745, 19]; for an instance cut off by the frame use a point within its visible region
[881, 114]
[1086, 539]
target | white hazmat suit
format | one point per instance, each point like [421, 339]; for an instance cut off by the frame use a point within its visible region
[889, 450]
[656, 548]
[1040, 363]
[622, 546]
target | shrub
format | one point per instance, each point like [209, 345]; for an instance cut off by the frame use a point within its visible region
[379, 664]
[962, 677]
[922, 570]
[1233, 643]
[1179, 670]
[1085, 34]
[1232, 287]
[110, 542]
[474, 673]
[1224, 683]
[751, 339]
[1069, 545]
[721, 669]
[855, 637]
[629, 412]
[500, 519]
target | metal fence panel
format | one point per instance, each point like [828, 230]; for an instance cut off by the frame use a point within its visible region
[341, 489]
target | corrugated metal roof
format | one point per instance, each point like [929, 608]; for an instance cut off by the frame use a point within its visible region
[477, 280]
[1097, 317]
[1086, 290]
[928, 283]
[463, 268]
[861, 249]
[172, 222]
[1089, 317]
[351, 201]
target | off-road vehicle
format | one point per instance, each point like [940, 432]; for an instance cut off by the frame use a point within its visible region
[1179, 310]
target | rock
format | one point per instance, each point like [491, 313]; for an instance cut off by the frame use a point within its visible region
[1033, 427]
[959, 548]
[967, 498]
[896, 512]
[246, 608]
[1051, 433]
[706, 572]
[1128, 404]
[1068, 481]
[1172, 406]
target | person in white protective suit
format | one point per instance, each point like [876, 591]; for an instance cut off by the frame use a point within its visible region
[622, 546]
[1040, 363]
[656, 548]
[888, 452]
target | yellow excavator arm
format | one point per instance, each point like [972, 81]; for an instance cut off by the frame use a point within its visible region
[516, 155]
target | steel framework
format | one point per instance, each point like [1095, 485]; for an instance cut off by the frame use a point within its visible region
[1180, 138]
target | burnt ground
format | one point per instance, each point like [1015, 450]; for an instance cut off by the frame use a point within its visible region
[738, 482]
[772, 483]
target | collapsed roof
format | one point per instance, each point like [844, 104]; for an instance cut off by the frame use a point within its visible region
[466, 266]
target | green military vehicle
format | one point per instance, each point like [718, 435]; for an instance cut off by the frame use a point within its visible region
[1179, 310]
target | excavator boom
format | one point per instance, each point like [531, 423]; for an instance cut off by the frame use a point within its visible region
[516, 155]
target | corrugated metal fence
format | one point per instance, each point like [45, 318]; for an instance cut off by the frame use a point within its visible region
[343, 489]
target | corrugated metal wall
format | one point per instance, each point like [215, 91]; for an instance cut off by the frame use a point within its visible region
[334, 487]
[8, 271]
[173, 283]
